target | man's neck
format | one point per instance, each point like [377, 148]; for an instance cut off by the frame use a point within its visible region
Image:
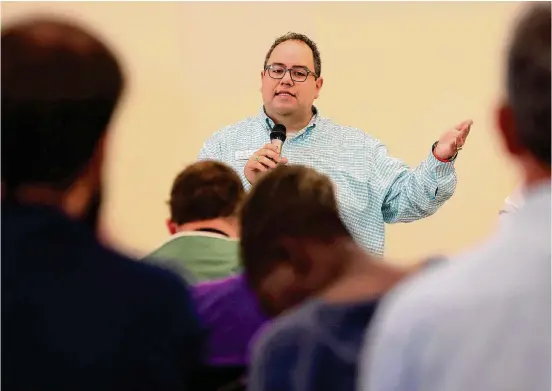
[534, 174]
[535, 181]
[293, 123]
[222, 225]
[363, 277]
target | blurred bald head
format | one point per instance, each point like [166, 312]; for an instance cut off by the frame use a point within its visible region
[60, 87]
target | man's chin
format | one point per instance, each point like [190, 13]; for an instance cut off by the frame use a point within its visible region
[285, 109]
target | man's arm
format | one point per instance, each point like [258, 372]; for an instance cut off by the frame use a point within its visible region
[412, 194]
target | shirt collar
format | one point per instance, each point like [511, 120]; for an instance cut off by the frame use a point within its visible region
[269, 124]
[195, 234]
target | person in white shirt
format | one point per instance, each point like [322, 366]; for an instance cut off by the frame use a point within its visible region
[481, 322]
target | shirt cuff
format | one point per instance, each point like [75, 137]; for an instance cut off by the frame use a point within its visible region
[438, 168]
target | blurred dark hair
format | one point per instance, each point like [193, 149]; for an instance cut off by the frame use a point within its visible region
[60, 87]
[528, 80]
[293, 202]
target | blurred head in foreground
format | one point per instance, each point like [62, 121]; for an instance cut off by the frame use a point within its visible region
[294, 244]
[524, 116]
[60, 88]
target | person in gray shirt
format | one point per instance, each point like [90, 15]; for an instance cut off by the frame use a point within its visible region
[309, 273]
[481, 322]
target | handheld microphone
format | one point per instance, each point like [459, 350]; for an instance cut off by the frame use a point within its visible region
[278, 136]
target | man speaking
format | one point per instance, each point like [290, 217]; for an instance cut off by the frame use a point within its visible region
[372, 187]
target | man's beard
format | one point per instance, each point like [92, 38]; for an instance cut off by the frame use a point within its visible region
[92, 215]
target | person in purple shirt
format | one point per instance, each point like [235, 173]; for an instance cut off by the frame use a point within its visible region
[231, 315]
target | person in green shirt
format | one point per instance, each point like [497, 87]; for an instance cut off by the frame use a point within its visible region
[204, 206]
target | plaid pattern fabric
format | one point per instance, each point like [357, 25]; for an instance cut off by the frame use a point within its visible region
[372, 187]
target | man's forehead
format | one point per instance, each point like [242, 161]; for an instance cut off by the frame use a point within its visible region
[292, 53]
[290, 65]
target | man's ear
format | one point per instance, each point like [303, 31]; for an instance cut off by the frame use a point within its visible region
[171, 226]
[83, 198]
[262, 75]
[95, 168]
[506, 127]
[319, 83]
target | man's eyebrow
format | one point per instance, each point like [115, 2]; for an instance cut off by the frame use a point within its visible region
[293, 66]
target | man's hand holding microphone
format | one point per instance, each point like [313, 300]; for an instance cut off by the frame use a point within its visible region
[268, 157]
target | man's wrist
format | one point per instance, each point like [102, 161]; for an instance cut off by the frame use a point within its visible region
[450, 159]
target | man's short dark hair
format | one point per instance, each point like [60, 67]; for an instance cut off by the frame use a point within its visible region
[60, 87]
[290, 202]
[529, 80]
[206, 190]
[302, 38]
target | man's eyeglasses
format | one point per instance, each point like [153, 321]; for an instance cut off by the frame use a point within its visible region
[298, 74]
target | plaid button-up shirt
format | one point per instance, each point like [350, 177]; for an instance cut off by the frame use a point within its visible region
[372, 187]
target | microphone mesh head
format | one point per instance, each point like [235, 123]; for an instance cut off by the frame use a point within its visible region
[279, 128]
[278, 132]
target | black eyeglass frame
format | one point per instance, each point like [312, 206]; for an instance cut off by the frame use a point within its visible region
[286, 70]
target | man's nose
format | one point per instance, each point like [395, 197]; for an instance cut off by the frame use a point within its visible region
[287, 80]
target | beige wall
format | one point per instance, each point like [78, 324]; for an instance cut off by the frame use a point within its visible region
[404, 72]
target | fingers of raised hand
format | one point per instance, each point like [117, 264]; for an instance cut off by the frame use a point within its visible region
[462, 136]
[464, 125]
[462, 132]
